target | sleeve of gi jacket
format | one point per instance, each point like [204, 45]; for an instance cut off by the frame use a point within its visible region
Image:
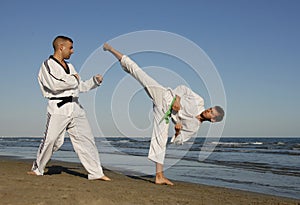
[87, 85]
[190, 129]
[183, 90]
[56, 80]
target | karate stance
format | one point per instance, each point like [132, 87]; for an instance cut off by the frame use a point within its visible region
[61, 84]
[185, 107]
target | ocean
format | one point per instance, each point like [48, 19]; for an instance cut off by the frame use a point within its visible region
[264, 165]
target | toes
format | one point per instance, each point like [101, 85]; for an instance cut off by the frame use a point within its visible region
[104, 178]
[31, 173]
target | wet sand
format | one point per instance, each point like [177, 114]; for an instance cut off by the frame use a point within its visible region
[66, 183]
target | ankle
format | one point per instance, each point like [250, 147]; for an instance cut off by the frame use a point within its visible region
[159, 175]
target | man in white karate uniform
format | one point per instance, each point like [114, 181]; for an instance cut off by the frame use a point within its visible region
[61, 84]
[185, 107]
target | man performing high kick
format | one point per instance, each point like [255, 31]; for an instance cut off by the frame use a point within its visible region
[185, 107]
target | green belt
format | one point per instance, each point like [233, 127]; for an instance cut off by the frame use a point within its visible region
[167, 115]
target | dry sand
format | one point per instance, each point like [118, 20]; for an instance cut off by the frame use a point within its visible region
[67, 183]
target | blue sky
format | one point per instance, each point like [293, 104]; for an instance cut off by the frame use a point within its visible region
[254, 45]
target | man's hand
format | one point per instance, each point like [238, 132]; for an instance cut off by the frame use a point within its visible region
[178, 127]
[76, 76]
[176, 105]
[99, 78]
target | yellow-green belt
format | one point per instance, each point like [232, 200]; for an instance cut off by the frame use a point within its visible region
[167, 115]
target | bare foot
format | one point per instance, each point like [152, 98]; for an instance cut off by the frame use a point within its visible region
[104, 178]
[32, 173]
[106, 47]
[163, 181]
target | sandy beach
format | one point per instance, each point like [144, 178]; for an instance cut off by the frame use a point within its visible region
[66, 183]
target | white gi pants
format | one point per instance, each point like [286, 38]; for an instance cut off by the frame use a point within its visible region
[81, 137]
[162, 98]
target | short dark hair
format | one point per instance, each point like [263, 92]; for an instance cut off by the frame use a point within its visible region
[221, 113]
[58, 39]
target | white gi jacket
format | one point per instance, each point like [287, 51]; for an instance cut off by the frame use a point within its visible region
[191, 106]
[55, 81]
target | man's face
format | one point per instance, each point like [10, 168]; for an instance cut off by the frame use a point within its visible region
[67, 49]
[210, 114]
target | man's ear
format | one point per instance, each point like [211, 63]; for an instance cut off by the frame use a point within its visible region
[213, 120]
[61, 46]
